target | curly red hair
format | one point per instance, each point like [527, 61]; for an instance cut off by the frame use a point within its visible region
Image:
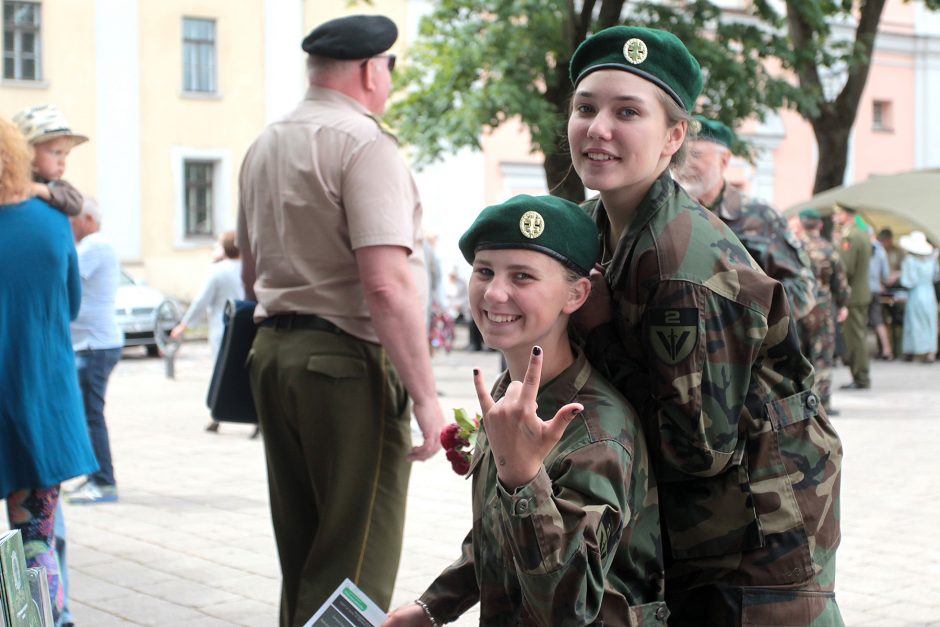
[15, 164]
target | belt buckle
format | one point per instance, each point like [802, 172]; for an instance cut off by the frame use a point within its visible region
[284, 321]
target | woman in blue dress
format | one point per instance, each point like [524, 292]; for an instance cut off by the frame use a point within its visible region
[919, 272]
[43, 437]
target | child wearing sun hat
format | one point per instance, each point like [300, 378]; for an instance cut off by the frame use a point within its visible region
[52, 139]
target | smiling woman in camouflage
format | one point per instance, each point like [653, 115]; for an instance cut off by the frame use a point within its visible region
[565, 517]
[703, 344]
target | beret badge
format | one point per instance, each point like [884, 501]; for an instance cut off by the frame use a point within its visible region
[635, 51]
[531, 224]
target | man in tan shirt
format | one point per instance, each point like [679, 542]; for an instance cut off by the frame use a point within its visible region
[329, 223]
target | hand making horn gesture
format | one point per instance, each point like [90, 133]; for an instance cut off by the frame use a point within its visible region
[519, 439]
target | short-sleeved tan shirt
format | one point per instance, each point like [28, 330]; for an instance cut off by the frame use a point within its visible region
[314, 187]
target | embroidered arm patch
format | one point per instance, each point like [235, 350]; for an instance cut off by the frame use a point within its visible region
[673, 333]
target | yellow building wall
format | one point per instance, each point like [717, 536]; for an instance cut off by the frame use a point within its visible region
[169, 118]
[68, 40]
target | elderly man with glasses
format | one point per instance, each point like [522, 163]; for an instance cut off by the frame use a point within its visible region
[329, 225]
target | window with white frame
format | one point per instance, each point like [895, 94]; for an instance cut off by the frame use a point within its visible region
[199, 183]
[881, 115]
[199, 66]
[21, 40]
[202, 189]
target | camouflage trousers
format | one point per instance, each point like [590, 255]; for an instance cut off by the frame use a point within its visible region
[817, 332]
[812, 604]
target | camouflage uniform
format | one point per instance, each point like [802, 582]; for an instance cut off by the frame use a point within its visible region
[580, 543]
[855, 253]
[773, 246]
[818, 330]
[747, 463]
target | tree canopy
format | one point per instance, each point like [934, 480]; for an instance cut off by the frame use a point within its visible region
[479, 63]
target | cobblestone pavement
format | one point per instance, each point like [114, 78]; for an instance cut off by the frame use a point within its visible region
[189, 543]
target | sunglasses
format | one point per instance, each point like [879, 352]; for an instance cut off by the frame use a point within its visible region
[390, 57]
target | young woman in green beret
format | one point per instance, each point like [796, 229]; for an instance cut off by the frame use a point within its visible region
[565, 516]
[701, 342]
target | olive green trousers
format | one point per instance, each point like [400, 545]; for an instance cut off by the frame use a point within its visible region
[336, 424]
[854, 333]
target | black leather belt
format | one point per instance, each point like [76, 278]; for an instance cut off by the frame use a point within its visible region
[307, 322]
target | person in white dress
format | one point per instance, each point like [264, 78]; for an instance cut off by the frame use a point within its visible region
[223, 284]
[919, 272]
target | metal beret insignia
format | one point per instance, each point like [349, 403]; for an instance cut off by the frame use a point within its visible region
[531, 224]
[635, 51]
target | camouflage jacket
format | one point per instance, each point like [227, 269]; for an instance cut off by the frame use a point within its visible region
[855, 253]
[580, 543]
[773, 246]
[702, 344]
[831, 284]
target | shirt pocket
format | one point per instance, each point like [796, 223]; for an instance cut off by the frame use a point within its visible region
[712, 516]
[763, 607]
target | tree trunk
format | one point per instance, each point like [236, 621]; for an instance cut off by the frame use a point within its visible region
[832, 139]
[561, 178]
[833, 123]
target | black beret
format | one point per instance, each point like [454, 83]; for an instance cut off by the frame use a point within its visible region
[656, 55]
[351, 37]
[554, 226]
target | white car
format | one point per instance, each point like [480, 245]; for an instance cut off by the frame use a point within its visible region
[137, 306]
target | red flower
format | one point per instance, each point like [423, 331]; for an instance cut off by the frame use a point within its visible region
[459, 461]
[450, 437]
[458, 440]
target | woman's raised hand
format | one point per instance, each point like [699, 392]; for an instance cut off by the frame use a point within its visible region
[519, 439]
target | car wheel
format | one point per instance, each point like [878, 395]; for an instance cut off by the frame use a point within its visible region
[153, 350]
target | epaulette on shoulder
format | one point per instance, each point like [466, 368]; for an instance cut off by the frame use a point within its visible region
[385, 128]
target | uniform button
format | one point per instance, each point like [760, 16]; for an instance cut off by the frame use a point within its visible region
[661, 613]
[812, 401]
[522, 506]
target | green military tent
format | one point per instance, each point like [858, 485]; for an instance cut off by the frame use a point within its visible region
[902, 202]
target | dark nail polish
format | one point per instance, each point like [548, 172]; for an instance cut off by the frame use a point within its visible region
[476, 371]
[536, 350]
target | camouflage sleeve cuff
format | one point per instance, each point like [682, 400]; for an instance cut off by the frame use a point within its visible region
[526, 499]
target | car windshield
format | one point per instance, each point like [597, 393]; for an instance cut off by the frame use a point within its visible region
[126, 279]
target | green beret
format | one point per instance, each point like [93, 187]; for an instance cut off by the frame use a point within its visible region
[351, 37]
[810, 214]
[714, 131]
[551, 225]
[656, 55]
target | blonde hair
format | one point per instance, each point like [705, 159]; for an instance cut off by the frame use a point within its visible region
[15, 164]
[674, 115]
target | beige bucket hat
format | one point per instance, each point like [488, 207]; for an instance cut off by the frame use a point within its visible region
[41, 123]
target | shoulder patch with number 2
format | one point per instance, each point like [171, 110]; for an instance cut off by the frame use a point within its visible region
[673, 333]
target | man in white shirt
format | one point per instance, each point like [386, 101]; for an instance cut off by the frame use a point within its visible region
[97, 341]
